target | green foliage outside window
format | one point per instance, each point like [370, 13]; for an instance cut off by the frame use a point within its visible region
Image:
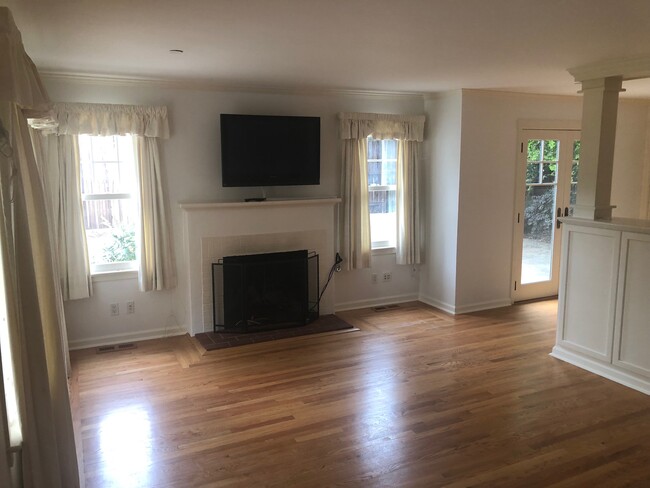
[539, 214]
[121, 247]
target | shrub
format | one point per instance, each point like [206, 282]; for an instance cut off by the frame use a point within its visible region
[121, 247]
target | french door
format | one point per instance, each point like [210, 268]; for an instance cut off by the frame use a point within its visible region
[547, 171]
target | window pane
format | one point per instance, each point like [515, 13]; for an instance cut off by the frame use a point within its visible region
[108, 167]
[99, 173]
[110, 230]
[549, 172]
[104, 148]
[381, 200]
[534, 150]
[374, 149]
[382, 178]
[374, 173]
[576, 150]
[551, 148]
[391, 149]
[389, 173]
[575, 167]
[539, 219]
[383, 228]
[532, 173]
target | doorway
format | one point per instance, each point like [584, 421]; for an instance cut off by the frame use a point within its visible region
[547, 172]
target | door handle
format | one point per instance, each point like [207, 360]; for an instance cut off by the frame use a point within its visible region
[557, 220]
[566, 211]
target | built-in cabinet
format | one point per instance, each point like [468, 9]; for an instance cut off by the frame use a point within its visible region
[604, 299]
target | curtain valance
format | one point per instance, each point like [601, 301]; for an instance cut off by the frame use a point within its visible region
[381, 126]
[99, 119]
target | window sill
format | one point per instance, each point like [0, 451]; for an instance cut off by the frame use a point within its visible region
[378, 251]
[129, 274]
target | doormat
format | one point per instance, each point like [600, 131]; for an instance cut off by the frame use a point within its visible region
[222, 340]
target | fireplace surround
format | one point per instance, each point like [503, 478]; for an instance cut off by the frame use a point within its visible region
[212, 230]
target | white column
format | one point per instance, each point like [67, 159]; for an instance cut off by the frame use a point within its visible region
[599, 111]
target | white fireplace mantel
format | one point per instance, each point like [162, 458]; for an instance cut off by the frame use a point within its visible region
[297, 202]
[212, 230]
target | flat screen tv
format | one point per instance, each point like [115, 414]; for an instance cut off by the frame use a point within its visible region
[269, 150]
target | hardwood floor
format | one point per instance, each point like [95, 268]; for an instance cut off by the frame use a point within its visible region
[415, 398]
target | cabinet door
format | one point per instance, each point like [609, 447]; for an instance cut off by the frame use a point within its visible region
[587, 298]
[632, 328]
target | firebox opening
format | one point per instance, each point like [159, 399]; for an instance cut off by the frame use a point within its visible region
[265, 291]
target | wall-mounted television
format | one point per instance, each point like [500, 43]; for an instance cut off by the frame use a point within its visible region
[269, 150]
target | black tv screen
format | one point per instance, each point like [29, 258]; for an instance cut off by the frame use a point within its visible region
[269, 150]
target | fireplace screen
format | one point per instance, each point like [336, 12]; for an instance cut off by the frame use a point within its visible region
[265, 291]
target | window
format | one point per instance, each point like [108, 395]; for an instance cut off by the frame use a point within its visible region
[382, 179]
[108, 189]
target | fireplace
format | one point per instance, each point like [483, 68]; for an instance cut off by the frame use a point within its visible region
[212, 230]
[265, 291]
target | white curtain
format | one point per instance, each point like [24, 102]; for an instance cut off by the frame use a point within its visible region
[58, 157]
[354, 229]
[355, 217]
[148, 124]
[157, 267]
[408, 202]
[32, 295]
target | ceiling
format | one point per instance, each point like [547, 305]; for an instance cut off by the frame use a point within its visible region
[398, 45]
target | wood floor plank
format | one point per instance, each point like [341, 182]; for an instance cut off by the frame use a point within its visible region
[417, 397]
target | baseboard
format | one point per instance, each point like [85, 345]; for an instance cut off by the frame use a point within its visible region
[375, 302]
[474, 307]
[128, 337]
[477, 307]
[445, 307]
[608, 371]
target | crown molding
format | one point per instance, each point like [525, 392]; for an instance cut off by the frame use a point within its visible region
[211, 85]
[628, 68]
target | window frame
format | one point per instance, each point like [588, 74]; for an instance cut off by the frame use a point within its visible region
[97, 270]
[385, 246]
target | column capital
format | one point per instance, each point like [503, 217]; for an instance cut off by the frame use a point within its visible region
[608, 84]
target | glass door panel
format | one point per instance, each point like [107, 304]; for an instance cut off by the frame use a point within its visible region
[539, 210]
[575, 166]
[547, 181]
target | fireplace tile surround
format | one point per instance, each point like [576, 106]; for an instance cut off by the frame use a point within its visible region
[214, 230]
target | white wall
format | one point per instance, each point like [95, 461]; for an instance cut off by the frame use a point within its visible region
[441, 178]
[356, 289]
[487, 182]
[191, 165]
[629, 158]
[468, 188]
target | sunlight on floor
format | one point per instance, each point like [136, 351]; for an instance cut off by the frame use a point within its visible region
[125, 443]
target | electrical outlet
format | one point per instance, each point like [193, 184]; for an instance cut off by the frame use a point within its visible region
[387, 275]
[130, 307]
[374, 278]
[115, 308]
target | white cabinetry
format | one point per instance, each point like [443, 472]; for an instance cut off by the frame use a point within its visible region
[604, 299]
[632, 326]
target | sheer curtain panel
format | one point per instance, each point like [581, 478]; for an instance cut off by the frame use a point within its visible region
[58, 157]
[408, 202]
[156, 254]
[355, 219]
